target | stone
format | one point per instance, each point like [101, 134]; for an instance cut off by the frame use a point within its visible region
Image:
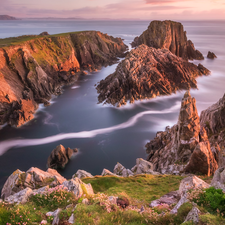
[113, 200]
[20, 197]
[145, 73]
[120, 170]
[218, 180]
[71, 219]
[190, 183]
[211, 55]
[13, 184]
[193, 215]
[168, 35]
[85, 201]
[171, 198]
[123, 202]
[143, 166]
[82, 174]
[183, 200]
[59, 157]
[45, 33]
[106, 172]
[56, 217]
[202, 160]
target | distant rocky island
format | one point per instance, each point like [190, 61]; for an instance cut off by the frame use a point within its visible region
[6, 17]
[33, 67]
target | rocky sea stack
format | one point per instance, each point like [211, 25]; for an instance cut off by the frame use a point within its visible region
[147, 72]
[170, 35]
[32, 68]
[185, 147]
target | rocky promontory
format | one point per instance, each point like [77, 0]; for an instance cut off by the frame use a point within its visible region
[147, 72]
[7, 17]
[32, 68]
[185, 147]
[170, 35]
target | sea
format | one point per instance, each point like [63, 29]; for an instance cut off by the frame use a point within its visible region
[104, 134]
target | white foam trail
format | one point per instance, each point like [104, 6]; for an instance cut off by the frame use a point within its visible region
[75, 87]
[6, 145]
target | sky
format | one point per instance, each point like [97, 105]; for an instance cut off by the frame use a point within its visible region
[116, 9]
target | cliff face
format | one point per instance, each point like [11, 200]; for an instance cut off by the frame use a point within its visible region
[170, 35]
[185, 147]
[147, 72]
[33, 70]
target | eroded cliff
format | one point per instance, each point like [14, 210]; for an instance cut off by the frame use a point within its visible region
[170, 35]
[32, 68]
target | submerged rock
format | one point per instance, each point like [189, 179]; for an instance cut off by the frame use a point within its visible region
[211, 55]
[170, 35]
[145, 73]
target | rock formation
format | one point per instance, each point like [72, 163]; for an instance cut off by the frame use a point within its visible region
[44, 33]
[7, 17]
[211, 55]
[184, 147]
[59, 157]
[147, 72]
[35, 67]
[170, 35]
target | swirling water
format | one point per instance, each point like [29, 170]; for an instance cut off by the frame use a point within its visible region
[104, 135]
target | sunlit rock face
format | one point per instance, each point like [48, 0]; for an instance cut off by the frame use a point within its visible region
[170, 35]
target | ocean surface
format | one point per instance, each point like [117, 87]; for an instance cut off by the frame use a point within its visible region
[104, 135]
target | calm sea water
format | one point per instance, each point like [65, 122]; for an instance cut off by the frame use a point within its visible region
[104, 135]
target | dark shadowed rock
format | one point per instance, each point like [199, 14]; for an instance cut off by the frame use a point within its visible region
[211, 55]
[59, 157]
[170, 35]
[45, 33]
[145, 73]
[123, 202]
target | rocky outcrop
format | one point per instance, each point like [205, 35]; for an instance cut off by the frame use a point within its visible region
[211, 55]
[170, 35]
[7, 17]
[184, 147]
[31, 71]
[120, 170]
[82, 174]
[60, 156]
[34, 178]
[146, 73]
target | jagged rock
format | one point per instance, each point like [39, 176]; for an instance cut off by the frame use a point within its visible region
[211, 55]
[26, 81]
[120, 170]
[170, 35]
[183, 200]
[106, 172]
[71, 219]
[82, 174]
[218, 180]
[176, 150]
[144, 166]
[76, 186]
[193, 216]
[202, 160]
[190, 183]
[145, 73]
[55, 215]
[171, 198]
[20, 197]
[13, 184]
[59, 157]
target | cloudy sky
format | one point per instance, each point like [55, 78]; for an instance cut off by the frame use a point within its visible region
[116, 9]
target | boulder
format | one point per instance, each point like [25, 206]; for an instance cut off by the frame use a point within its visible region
[120, 170]
[145, 73]
[193, 216]
[79, 188]
[218, 180]
[106, 172]
[190, 183]
[171, 198]
[211, 55]
[59, 157]
[168, 35]
[20, 197]
[82, 174]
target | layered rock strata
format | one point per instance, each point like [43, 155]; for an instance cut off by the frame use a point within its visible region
[32, 68]
[184, 147]
[170, 35]
[147, 72]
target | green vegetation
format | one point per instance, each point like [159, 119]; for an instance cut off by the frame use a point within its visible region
[139, 190]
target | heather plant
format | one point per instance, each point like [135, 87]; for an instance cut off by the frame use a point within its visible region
[54, 198]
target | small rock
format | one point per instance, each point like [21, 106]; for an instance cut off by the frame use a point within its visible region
[218, 180]
[85, 201]
[183, 200]
[211, 55]
[193, 215]
[71, 219]
[113, 200]
[56, 217]
[106, 172]
[123, 202]
[82, 174]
